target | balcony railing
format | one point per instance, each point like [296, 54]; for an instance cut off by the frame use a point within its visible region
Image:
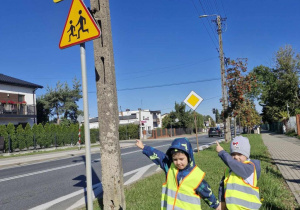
[17, 109]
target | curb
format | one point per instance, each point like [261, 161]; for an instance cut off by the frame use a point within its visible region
[206, 146]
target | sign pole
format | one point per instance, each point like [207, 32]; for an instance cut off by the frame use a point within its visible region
[86, 129]
[196, 130]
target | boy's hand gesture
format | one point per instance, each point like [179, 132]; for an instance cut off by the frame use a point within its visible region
[219, 148]
[139, 144]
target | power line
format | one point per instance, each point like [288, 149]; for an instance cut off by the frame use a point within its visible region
[172, 68]
[165, 85]
[204, 25]
[223, 8]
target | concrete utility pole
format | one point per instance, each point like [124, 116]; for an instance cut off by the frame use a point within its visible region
[223, 81]
[112, 171]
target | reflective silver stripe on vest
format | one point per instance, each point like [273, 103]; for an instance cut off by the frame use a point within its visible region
[180, 196]
[248, 190]
[164, 204]
[247, 204]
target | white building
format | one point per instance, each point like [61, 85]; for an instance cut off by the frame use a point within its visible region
[149, 119]
[17, 101]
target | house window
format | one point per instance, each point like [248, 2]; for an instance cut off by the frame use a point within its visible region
[20, 98]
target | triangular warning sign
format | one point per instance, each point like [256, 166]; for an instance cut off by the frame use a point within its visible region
[79, 27]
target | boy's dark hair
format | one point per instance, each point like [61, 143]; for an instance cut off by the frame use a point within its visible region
[175, 151]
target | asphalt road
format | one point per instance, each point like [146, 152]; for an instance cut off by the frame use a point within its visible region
[60, 184]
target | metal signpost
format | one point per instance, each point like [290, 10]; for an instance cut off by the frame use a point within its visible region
[83, 29]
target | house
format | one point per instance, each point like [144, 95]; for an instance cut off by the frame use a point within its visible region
[149, 119]
[17, 101]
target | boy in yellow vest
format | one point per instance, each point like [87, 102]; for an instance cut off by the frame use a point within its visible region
[184, 180]
[238, 188]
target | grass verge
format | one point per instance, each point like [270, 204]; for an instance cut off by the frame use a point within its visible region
[274, 192]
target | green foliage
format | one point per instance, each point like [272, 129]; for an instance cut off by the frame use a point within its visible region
[42, 112]
[21, 137]
[279, 86]
[28, 136]
[12, 136]
[239, 85]
[3, 132]
[128, 131]
[74, 128]
[94, 133]
[61, 101]
[186, 119]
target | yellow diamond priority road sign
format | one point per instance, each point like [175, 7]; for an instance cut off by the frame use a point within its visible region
[193, 100]
[79, 27]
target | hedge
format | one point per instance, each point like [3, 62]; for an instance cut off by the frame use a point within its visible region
[51, 135]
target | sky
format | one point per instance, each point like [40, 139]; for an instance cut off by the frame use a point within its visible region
[162, 49]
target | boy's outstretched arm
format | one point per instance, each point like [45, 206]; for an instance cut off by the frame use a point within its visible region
[241, 169]
[139, 144]
[219, 148]
[158, 157]
[207, 195]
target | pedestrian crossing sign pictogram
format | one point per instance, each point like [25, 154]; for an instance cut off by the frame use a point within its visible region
[80, 26]
[193, 100]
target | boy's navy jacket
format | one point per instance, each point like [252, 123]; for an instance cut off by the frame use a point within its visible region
[165, 160]
[241, 169]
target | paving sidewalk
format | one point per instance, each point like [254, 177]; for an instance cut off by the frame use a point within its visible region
[285, 152]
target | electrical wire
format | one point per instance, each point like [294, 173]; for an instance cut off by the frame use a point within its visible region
[167, 85]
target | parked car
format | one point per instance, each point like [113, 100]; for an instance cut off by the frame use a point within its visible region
[215, 132]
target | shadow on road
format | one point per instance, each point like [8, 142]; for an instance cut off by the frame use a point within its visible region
[98, 191]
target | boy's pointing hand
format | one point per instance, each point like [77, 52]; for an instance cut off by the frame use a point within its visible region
[139, 144]
[219, 148]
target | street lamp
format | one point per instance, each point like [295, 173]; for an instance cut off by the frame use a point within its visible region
[223, 81]
[202, 16]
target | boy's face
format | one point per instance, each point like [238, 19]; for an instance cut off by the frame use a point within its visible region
[239, 157]
[180, 160]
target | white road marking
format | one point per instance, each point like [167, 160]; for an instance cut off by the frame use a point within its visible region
[57, 168]
[97, 190]
[58, 200]
[39, 172]
[138, 175]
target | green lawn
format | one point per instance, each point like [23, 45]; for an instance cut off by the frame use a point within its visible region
[145, 194]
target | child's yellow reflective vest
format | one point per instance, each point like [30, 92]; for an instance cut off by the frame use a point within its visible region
[182, 197]
[238, 193]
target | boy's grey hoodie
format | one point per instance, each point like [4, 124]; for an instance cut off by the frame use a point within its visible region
[241, 169]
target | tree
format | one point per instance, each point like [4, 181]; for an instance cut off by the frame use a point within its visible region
[42, 112]
[21, 137]
[185, 118]
[61, 101]
[3, 132]
[248, 115]
[28, 136]
[239, 85]
[11, 131]
[278, 87]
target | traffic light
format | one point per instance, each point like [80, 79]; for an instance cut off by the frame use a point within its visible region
[214, 111]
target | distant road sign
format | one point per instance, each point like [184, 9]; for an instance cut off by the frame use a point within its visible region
[79, 27]
[193, 100]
